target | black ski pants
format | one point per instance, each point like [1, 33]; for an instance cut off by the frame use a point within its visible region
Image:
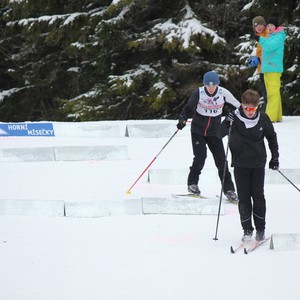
[250, 189]
[263, 92]
[215, 145]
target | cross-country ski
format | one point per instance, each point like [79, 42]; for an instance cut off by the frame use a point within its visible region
[189, 195]
[255, 245]
[238, 248]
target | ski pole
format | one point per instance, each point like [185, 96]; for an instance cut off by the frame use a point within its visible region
[223, 180]
[129, 190]
[289, 181]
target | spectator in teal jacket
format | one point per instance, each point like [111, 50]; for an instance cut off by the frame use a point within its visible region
[272, 66]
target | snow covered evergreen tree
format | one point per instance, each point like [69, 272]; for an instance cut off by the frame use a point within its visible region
[128, 59]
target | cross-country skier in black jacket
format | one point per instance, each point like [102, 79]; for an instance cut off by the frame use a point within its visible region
[249, 127]
[205, 106]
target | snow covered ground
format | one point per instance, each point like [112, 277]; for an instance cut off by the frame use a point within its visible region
[132, 257]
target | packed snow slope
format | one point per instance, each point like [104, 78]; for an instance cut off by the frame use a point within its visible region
[134, 257]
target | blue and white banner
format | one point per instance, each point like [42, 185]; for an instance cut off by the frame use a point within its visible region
[26, 129]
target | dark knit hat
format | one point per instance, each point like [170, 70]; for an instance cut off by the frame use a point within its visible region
[259, 20]
[273, 20]
[211, 78]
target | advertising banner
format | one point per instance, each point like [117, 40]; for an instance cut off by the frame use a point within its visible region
[26, 129]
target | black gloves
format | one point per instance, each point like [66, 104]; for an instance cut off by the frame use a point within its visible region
[274, 164]
[230, 117]
[181, 122]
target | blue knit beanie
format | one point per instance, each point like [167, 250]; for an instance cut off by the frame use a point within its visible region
[211, 78]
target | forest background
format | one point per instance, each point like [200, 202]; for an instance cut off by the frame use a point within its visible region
[83, 60]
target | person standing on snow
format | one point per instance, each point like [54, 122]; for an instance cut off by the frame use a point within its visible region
[249, 127]
[260, 29]
[205, 106]
[272, 66]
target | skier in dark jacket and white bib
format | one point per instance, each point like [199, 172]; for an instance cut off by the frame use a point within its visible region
[205, 105]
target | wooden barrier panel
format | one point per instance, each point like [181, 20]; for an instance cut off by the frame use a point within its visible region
[47, 208]
[81, 153]
[87, 129]
[183, 206]
[102, 208]
[210, 175]
[179, 176]
[275, 177]
[285, 241]
[64, 153]
[153, 130]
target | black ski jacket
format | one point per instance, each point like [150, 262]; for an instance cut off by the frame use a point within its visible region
[206, 110]
[247, 145]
